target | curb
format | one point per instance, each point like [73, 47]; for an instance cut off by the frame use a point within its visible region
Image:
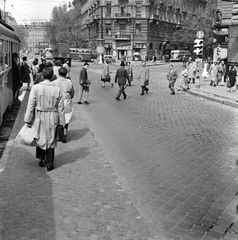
[14, 131]
[214, 98]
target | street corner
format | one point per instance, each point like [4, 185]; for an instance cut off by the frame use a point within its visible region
[213, 97]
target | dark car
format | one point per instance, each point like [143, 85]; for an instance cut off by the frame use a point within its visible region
[109, 58]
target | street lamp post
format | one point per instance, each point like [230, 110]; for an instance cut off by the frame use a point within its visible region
[100, 49]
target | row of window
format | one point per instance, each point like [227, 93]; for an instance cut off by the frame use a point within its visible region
[6, 50]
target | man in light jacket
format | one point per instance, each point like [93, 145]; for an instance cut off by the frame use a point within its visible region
[121, 76]
[68, 94]
[46, 104]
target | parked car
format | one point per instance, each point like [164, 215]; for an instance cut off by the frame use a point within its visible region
[109, 58]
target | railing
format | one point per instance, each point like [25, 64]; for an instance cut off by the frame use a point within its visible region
[122, 15]
[155, 16]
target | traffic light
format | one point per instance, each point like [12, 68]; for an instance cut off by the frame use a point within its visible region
[218, 50]
[198, 47]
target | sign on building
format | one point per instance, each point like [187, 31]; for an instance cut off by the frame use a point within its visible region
[44, 44]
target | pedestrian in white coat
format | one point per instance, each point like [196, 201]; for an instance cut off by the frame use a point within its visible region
[144, 76]
[46, 104]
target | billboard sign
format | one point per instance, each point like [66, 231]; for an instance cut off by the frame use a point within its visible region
[44, 44]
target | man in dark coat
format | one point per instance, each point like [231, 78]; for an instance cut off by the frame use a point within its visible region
[121, 76]
[172, 77]
[17, 84]
[84, 84]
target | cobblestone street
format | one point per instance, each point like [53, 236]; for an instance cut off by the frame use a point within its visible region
[152, 167]
[175, 155]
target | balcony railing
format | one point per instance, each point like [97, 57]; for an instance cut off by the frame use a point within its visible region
[122, 15]
[122, 37]
[155, 17]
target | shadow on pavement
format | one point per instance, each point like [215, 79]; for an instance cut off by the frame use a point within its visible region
[76, 134]
[71, 157]
[26, 203]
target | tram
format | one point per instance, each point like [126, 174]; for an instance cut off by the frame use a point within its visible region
[9, 44]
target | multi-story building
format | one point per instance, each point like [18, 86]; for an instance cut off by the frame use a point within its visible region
[129, 27]
[37, 33]
[226, 31]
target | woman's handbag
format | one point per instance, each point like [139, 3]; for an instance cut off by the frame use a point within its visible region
[29, 135]
[146, 82]
[107, 78]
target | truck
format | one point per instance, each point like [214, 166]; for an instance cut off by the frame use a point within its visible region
[61, 52]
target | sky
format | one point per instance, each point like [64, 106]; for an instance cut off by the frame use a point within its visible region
[25, 10]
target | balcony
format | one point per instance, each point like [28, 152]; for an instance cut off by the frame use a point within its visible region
[122, 37]
[122, 15]
[155, 17]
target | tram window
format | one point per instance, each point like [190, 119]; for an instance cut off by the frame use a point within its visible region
[1, 56]
[7, 55]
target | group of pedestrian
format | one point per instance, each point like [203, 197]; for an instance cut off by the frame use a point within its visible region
[217, 71]
[124, 78]
[50, 102]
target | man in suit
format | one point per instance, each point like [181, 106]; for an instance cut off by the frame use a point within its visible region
[172, 77]
[84, 84]
[121, 76]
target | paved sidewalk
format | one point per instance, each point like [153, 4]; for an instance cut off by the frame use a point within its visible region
[81, 199]
[218, 94]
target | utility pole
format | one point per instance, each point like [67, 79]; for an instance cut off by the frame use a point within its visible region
[102, 25]
[100, 49]
[4, 9]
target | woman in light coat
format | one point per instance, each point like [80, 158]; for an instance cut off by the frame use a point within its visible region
[183, 85]
[46, 104]
[213, 70]
[68, 94]
[105, 77]
[144, 76]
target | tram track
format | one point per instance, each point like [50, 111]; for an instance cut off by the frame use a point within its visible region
[8, 123]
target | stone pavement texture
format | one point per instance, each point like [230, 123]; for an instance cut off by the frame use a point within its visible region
[218, 94]
[81, 199]
[176, 155]
[164, 169]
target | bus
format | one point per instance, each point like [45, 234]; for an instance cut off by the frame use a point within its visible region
[83, 54]
[74, 53]
[87, 55]
[177, 55]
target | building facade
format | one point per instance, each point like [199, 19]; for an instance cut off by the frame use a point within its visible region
[133, 27]
[226, 31]
[37, 34]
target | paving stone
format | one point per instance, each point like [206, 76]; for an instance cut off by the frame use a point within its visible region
[214, 235]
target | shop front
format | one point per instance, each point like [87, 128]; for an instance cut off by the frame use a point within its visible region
[139, 51]
[123, 51]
